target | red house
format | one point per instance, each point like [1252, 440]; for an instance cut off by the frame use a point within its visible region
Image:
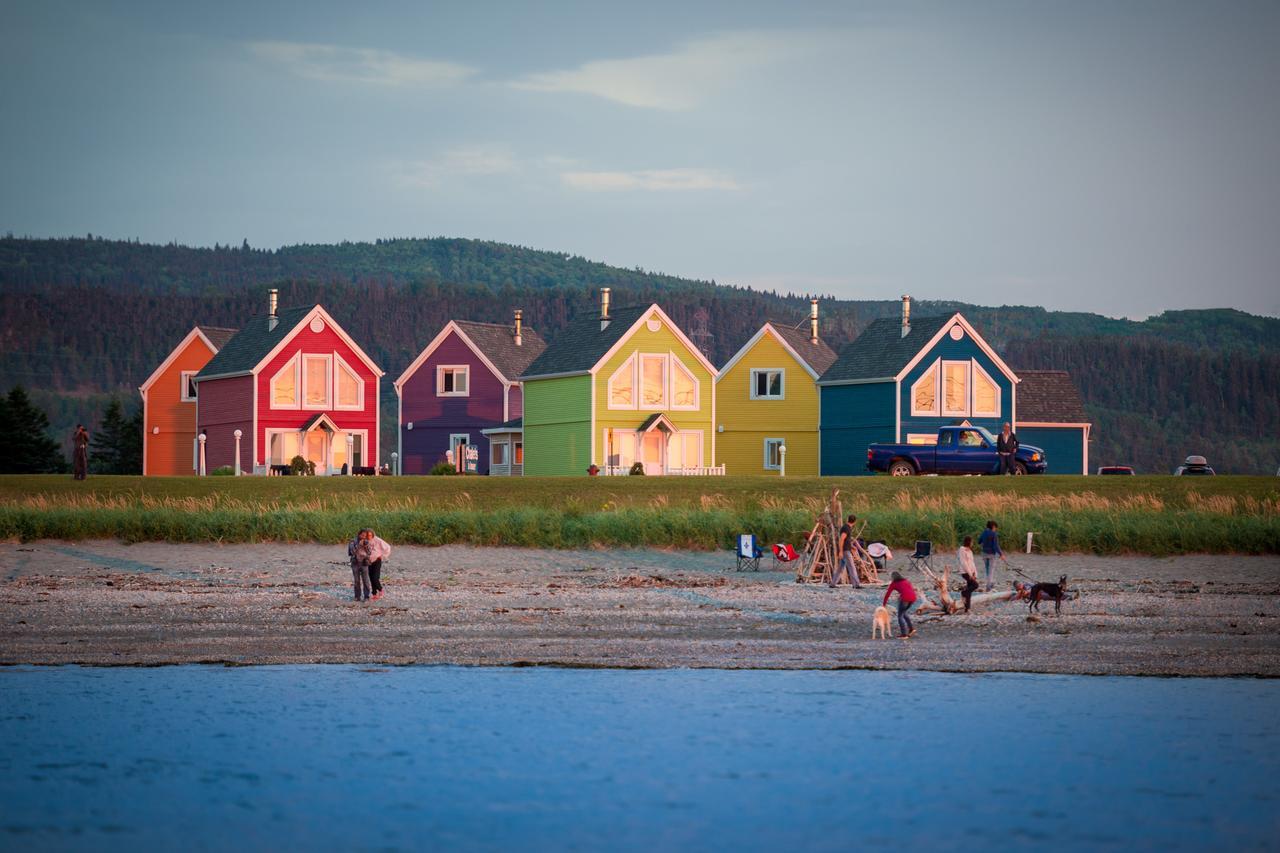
[292, 383]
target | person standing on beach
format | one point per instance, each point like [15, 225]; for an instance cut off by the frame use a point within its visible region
[360, 550]
[80, 452]
[379, 551]
[846, 546]
[989, 540]
[1006, 447]
[968, 571]
[906, 600]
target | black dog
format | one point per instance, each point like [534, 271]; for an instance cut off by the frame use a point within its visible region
[1055, 591]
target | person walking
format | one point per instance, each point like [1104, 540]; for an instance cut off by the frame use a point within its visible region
[906, 601]
[379, 551]
[989, 541]
[1006, 447]
[360, 550]
[968, 571]
[846, 545]
[80, 452]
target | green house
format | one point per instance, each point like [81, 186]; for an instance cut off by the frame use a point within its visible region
[624, 387]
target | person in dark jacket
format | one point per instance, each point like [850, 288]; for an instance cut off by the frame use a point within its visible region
[80, 453]
[1006, 447]
[989, 541]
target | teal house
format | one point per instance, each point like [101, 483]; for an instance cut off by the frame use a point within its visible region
[1051, 416]
[902, 379]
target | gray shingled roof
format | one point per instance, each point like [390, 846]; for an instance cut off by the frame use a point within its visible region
[251, 344]
[881, 350]
[498, 343]
[818, 356]
[1049, 396]
[583, 343]
[217, 335]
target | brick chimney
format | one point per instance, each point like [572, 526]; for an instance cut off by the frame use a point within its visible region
[906, 315]
[519, 338]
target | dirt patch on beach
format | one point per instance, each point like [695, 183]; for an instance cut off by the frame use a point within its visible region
[108, 603]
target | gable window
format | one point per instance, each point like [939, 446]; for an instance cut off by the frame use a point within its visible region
[986, 393]
[767, 384]
[622, 386]
[924, 393]
[653, 381]
[955, 388]
[284, 386]
[347, 382]
[188, 393]
[773, 454]
[452, 380]
[684, 387]
[315, 381]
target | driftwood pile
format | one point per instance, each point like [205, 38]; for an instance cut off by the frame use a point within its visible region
[820, 561]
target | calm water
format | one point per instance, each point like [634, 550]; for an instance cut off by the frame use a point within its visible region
[339, 757]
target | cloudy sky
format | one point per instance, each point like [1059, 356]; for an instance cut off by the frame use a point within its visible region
[1118, 157]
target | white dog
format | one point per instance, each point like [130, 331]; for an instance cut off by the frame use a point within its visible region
[880, 622]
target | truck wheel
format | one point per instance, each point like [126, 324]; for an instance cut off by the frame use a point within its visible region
[1019, 468]
[901, 469]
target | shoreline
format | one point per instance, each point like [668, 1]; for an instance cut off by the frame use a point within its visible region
[102, 603]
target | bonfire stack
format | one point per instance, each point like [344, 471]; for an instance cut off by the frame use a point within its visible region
[821, 559]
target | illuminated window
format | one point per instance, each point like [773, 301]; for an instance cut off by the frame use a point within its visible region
[955, 388]
[284, 386]
[315, 381]
[986, 394]
[924, 393]
[684, 387]
[350, 388]
[622, 386]
[653, 381]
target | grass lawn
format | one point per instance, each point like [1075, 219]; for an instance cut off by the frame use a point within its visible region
[1153, 514]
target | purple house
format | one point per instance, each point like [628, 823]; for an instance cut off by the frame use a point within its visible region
[462, 391]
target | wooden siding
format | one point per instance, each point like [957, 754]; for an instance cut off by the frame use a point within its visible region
[225, 406]
[747, 422]
[662, 342]
[852, 417]
[557, 426]
[1063, 447]
[948, 350]
[435, 418]
[169, 452]
[325, 342]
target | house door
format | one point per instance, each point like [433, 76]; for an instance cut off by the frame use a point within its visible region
[653, 452]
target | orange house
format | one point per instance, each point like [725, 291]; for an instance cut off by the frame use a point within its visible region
[169, 404]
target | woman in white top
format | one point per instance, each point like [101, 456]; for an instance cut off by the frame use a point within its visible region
[968, 570]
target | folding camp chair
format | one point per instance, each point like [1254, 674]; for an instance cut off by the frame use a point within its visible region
[783, 553]
[923, 557]
[748, 553]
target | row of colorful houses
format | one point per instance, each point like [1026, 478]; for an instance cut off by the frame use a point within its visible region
[620, 389]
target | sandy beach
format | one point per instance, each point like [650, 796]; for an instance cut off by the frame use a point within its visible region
[105, 603]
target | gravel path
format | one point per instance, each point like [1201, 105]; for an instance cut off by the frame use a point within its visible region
[155, 603]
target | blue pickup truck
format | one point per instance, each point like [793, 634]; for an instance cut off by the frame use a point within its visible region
[960, 450]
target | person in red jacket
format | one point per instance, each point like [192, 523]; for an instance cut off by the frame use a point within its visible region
[906, 600]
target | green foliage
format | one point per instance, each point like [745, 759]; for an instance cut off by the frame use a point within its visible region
[443, 469]
[116, 444]
[25, 445]
[298, 465]
[224, 471]
[637, 470]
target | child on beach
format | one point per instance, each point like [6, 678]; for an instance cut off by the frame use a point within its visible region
[360, 550]
[906, 600]
[989, 540]
[968, 571]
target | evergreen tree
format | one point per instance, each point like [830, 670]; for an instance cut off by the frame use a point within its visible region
[25, 445]
[104, 457]
[131, 444]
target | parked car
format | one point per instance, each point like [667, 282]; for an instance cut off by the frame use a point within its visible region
[960, 450]
[1116, 469]
[1194, 466]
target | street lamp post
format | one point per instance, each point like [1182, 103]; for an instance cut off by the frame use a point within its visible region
[782, 460]
[202, 438]
[237, 434]
[351, 460]
[395, 463]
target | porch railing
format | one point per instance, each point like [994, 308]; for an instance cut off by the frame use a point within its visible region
[700, 471]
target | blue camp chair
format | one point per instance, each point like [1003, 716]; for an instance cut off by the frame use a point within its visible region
[923, 557]
[748, 553]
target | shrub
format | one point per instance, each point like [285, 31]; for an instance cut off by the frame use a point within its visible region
[224, 471]
[637, 470]
[301, 466]
[443, 469]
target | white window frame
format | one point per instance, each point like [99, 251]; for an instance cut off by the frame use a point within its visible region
[674, 363]
[968, 389]
[782, 383]
[685, 436]
[977, 369]
[186, 386]
[328, 381]
[767, 465]
[295, 365]
[364, 446]
[663, 404]
[922, 439]
[934, 371]
[613, 438]
[340, 363]
[505, 447]
[453, 440]
[269, 433]
[440, 372]
[628, 365]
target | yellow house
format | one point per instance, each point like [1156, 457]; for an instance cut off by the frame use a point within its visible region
[767, 400]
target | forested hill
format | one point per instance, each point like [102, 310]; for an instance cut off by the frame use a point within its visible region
[84, 319]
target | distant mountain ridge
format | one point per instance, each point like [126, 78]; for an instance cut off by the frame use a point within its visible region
[84, 318]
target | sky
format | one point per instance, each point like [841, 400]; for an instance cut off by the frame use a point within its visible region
[1114, 157]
